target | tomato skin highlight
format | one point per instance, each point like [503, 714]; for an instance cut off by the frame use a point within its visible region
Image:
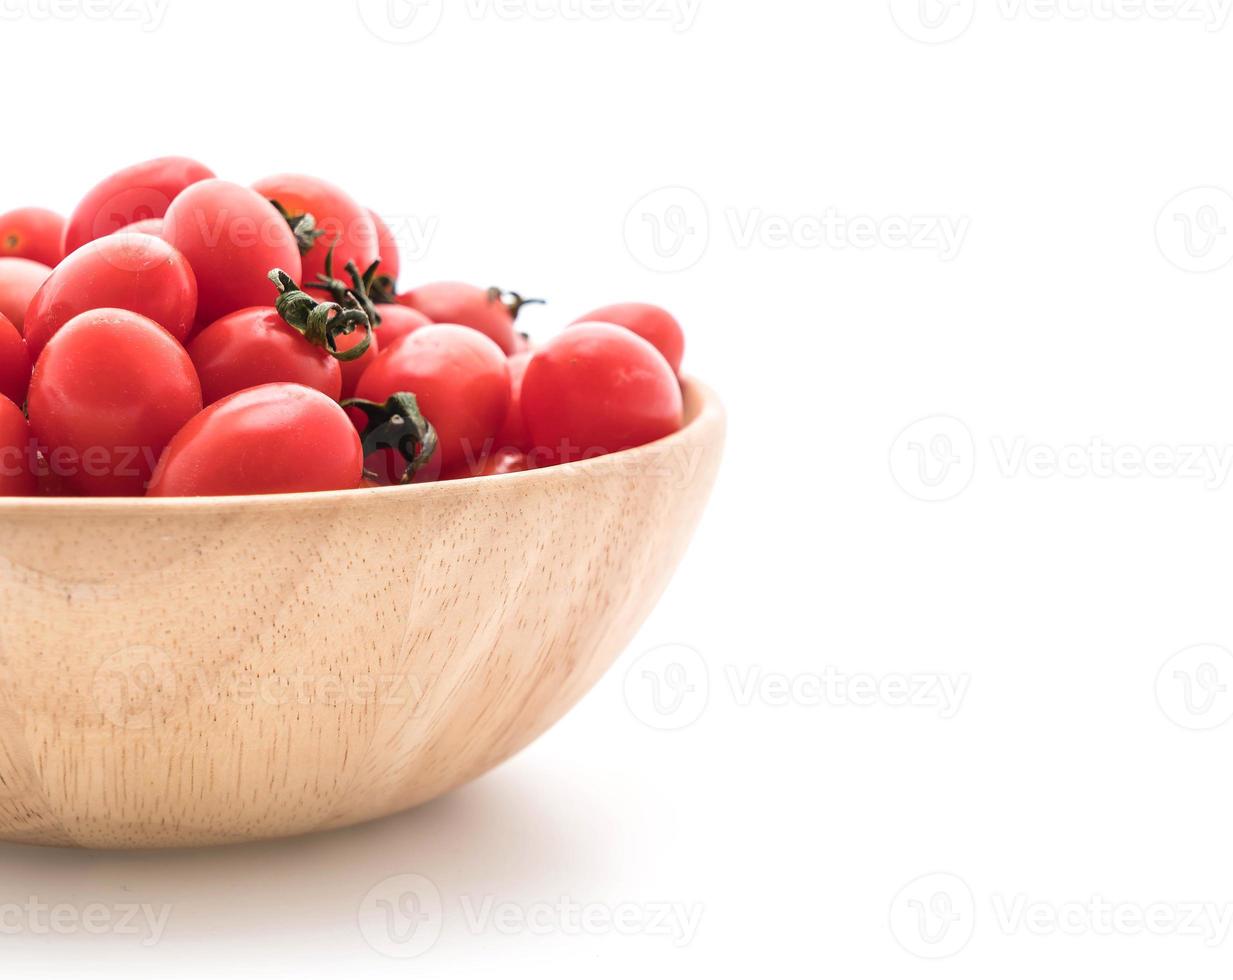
[397, 322]
[387, 248]
[17, 453]
[513, 434]
[461, 381]
[32, 233]
[256, 347]
[144, 190]
[20, 279]
[109, 391]
[470, 306]
[139, 273]
[278, 438]
[347, 225]
[595, 389]
[652, 323]
[15, 364]
[232, 237]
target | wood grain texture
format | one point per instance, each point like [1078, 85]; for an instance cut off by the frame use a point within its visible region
[190, 672]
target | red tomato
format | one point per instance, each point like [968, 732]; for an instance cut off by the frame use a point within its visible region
[352, 371]
[278, 438]
[32, 233]
[496, 464]
[20, 279]
[108, 393]
[150, 226]
[596, 389]
[460, 379]
[139, 273]
[233, 238]
[653, 324]
[397, 322]
[17, 453]
[255, 347]
[346, 225]
[142, 191]
[387, 249]
[513, 434]
[14, 363]
[456, 302]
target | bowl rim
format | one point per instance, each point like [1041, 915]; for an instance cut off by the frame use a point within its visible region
[702, 408]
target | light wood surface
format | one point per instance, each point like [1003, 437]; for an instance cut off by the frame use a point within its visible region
[190, 672]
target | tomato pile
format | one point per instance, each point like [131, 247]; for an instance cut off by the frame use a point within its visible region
[180, 335]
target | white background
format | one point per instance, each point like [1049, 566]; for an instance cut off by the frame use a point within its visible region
[1069, 351]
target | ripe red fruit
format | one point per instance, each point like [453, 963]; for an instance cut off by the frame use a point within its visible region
[279, 438]
[255, 347]
[346, 225]
[150, 226]
[352, 371]
[461, 381]
[596, 389]
[233, 238]
[387, 249]
[32, 233]
[142, 191]
[17, 453]
[108, 393]
[513, 434]
[651, 323]
[471, 306]
[140, 273]
[397, 322]
[20, 279]
[14, 363]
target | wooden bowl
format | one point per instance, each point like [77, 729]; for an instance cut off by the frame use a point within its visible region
[215, 670]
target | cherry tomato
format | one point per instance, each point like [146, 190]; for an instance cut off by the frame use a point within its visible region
[142, 191]
[20, 279]
[17, 453]
[461, 381]
[352, 371]
[397, 322]
[32, 233]
[14, 363]
[513, 434]
[150, 226]
[595, 389]
[278, 438]
[387, 248]
[456, 302]
[108, 393]
[255, 347]
[653, 324]
[496, 464]
[233, 238]
[139, 273]
[347, 225]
